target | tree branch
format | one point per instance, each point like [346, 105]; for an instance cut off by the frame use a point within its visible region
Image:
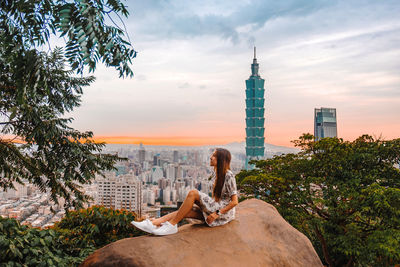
[350, 262]
[324, 247]
[8, 122]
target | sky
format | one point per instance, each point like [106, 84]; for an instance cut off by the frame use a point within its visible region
[194, 57]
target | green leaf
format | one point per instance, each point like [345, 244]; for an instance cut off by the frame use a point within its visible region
[13, 112]
[48, 239]
[15, 251]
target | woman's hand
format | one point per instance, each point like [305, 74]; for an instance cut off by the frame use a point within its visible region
[212, 217]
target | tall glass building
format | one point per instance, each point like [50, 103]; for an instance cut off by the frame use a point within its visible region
[254, 114]
[325, 124]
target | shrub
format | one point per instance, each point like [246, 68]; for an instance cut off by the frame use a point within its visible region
[22, 245]
[96, 227]
[68, 242]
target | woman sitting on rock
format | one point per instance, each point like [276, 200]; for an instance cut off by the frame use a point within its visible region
[216, 210]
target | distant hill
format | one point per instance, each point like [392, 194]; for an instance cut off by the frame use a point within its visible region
[240, 146]
[235, 147]
[270, 150]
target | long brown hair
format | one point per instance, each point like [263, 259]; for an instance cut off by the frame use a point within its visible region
[223, 165]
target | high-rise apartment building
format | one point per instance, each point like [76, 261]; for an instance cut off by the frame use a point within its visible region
[156, 174]
[119, 192]
[156, 160]
[170, 172]
[149, 196]
[196, 158]
[176, 156]
[254, 113]
[167, 195]
[142, 153]
[178, 171]
[164, 183]
[325, 124]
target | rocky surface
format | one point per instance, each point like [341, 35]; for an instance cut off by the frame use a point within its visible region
[258, 236]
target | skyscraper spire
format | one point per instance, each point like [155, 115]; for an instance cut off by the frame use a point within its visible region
[254, 66]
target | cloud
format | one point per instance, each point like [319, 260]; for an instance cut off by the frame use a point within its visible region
[175, 19]
[184, 85]
[196, 55]
[141, 77]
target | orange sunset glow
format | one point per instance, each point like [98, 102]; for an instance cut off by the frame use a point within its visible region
[276, 134]
[166, 141]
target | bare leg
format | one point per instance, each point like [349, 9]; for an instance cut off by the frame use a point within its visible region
[186, 206]
[167, 217]
[195, 214]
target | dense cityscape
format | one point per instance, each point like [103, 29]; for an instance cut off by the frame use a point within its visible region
[151, 178]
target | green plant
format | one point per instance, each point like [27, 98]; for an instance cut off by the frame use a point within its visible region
[96, 227]
[22, 245]
[345, 196]
[68, 242]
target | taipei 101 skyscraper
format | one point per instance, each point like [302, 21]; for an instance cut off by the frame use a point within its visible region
[254, 114]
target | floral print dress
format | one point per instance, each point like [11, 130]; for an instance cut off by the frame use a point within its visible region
[208, 205]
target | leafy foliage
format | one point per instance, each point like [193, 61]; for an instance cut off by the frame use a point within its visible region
[96, 227]
[21, 245]
[68, 242]
[53, 155]
[37, 90]
[82, 24]
[345, 196]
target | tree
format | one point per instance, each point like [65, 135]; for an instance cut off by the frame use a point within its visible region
[38, 88]
[345, 196]
[68, 242]
[95, 227]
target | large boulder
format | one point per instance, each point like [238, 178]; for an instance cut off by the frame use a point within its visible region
[258, 236]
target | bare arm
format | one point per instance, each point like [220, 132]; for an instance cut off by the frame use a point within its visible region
[214, 215]
[232, 204]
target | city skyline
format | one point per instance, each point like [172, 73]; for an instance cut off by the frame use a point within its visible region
[193, 59]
